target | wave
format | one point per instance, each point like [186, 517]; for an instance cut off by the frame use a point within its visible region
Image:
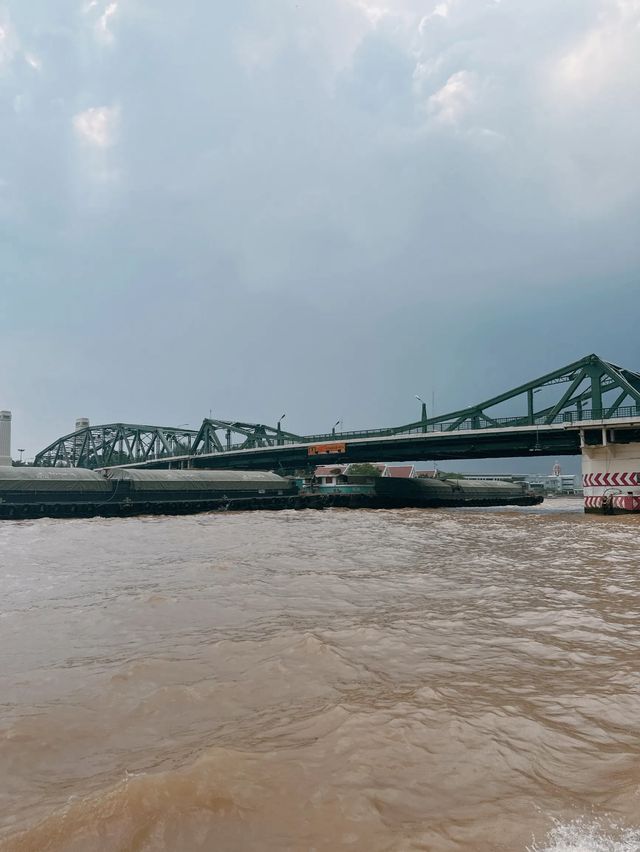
[226, 800]
[595, 835]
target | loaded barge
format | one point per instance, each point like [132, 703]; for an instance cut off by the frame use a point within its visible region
[32, 492]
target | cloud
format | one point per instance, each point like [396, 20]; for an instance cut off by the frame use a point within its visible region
[601, 58]
[98, 169]
[450, 103]
[590, 90]
[8, 40]
[97, 126]
[103, 24]
[372, 10]
[33, 61]
[440, 11]
[102, 13]
[383, 194]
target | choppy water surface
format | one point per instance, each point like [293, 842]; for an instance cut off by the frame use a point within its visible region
[357, 680]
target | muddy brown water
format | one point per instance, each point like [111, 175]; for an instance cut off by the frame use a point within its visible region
[338, 680]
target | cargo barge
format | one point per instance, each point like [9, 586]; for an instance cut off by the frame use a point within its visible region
[31, 492]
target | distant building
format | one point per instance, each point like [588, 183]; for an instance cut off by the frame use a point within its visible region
[400, 471]
[5, 439]
[497, 477]
[336, 474]
[555, 483]
[564, 483]
[333, 474]
[427, 474]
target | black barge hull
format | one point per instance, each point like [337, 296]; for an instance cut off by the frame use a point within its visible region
[74, 493]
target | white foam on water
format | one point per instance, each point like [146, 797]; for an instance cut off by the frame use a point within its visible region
[583, 835]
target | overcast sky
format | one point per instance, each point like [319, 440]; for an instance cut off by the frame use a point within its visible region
[318, 207]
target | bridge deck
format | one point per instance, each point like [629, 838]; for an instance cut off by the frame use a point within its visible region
[590, 393]
[518, 442]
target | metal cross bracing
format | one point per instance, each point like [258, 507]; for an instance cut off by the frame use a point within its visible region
[597, 390]
[590, 389]
[125, 443]
[116, 444]
[215, 436]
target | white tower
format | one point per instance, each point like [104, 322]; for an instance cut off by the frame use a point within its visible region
[82, 423]
[5, 439]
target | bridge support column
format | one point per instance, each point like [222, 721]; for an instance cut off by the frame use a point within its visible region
[611, 477]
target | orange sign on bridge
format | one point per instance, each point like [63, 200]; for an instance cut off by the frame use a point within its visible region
[327, 449]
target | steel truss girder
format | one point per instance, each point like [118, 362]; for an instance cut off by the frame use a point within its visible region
[248, 435]
[589, 380]
[116, 443]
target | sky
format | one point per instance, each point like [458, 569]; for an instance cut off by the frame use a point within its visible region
[313, 207]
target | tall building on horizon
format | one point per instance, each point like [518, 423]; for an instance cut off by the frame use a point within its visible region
[5, 439]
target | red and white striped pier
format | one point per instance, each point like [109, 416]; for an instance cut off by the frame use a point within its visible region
[611, 477]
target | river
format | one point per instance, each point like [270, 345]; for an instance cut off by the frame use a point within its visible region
[403, 680]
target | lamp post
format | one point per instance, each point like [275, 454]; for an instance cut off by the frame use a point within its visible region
[530, 405]
[532, 419]
[180, 446]
[228, 433]
[279, 440]
[333, 428]
[423, 413]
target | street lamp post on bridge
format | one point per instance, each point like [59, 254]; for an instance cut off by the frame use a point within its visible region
[423, 413]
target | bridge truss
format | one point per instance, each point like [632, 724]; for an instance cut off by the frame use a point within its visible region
[597, 390]
[587, 390]
[116, 444]
[216, 436]
[126, 443]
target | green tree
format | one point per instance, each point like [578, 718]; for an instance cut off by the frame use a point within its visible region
[364, 469]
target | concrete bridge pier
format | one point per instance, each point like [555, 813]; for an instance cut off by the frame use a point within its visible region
[610, 474]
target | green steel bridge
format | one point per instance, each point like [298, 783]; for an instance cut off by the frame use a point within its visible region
[550, 415]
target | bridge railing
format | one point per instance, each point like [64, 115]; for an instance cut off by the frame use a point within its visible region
[590, 414]
[594, 415]
[120, 452]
